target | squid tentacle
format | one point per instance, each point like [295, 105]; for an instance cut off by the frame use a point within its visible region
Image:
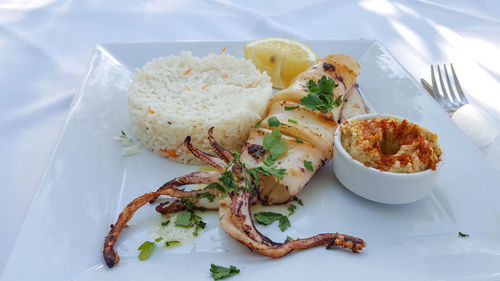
[235, 217]
[110, 255]
[205, 157]
[241, 218]
[204, 177]
[170, 207]
[223, 153]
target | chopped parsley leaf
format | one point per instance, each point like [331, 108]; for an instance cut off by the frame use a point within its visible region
[171, 243]
[146, 248]
[210, 197]
[291, 209]
[220, 272]
[320, 95]
[183, 219]
[216, 186]
[228, 182]
[189, 205]
[123, 134]
[267, 171]
[288, 108]
[288, 238]
[461, 234]
[299, 140]
[293, 121]
[273, 122]
[158, 239]
[198, 223]
[299, 201]
[165, 223]
[274, 144]
[258, 124]
[269, 161]
[236, 158]
[267, 218]
[308, 165]
[256, 178]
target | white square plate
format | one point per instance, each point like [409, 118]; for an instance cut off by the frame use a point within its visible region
[88, 182]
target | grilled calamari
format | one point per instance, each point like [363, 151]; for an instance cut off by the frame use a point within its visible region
[308, 135]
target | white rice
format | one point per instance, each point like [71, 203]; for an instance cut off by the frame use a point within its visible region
[168, 102]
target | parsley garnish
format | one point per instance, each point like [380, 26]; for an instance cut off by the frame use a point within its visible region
[271, 170]
[216, 186]
[146, 248]
[170, 243]
[236, 158]
[189, 218]
[269, 161]
[288, 108]
[227, 183]
[267, 218]
[165, 223]
[291, 209]
[295, 198]
[299, 140]
[308, 165]
[273, 122]
[189, 205]
[158, 239]
[123, 134]
[207, 195]
[460, 234]
[274, 144]
[198, 223]
[320, 95]
[258, 124]
[183, 219]
[220, 272]
[293, 121]
[288, 238]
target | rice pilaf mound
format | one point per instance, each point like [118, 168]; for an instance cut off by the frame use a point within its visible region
[177, 96]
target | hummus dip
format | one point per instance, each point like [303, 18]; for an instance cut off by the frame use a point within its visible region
[391, 145]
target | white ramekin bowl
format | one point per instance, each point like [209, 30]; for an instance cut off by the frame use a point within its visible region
[376, 185]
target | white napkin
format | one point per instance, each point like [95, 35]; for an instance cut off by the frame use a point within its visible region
[482, 132]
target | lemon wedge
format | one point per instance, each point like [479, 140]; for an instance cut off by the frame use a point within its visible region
[281, 58]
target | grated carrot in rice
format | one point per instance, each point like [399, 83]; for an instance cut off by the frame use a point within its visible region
[249, 86]
[204, 87]
[223, 50]
[170, 152]
[188, 71]
[150, 110]
[187, 88]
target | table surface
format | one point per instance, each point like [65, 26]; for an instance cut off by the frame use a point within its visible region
[46, 45]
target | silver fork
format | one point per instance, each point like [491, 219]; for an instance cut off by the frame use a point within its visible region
[449, 100]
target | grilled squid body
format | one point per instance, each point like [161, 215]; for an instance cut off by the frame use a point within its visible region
[311, 137]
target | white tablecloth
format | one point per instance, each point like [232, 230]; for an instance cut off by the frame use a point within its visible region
[45, 46]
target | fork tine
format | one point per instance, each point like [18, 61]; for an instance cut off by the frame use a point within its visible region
[461, 94]
[437, 95]
[453, 96]
[445, 93]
